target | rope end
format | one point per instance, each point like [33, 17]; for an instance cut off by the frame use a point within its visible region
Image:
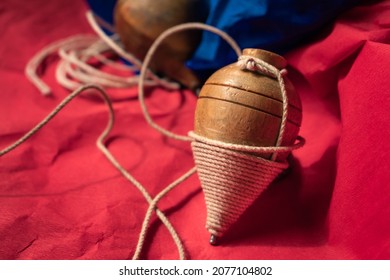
[46, 92]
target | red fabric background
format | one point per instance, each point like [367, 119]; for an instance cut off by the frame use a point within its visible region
[61, 199]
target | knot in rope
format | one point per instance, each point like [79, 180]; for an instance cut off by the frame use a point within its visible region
[247, 62]
[231, 176]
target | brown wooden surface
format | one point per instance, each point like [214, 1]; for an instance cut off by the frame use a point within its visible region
[140, 22]
[244, 107]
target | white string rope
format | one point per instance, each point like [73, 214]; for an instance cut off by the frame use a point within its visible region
[149, 56]
[126, 55]
[74, 68]
[101, 146]
[223, 177]
[248, 148]
[51, 115]
[258, 65]
[70, 56]
[36, 61]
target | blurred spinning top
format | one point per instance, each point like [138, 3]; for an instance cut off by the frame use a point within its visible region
[240, 107]
[140, 22]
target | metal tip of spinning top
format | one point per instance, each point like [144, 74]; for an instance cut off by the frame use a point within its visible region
[213, 240]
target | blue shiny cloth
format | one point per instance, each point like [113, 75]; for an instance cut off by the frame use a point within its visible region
[274, 25]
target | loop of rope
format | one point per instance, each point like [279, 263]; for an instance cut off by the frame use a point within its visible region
[51, 115]
[76, 52]
[102, 147]
[247, 148]
[252, 65]
[231, 180]
[70, 59]
[149, 55]
[126, 55]
[231, 176]
[258, 65]
[36, 61]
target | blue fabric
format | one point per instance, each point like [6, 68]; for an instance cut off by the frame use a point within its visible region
[103, 8]
[275, 25]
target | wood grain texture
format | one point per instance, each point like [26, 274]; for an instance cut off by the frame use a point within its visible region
[140, 22]
[243, 107]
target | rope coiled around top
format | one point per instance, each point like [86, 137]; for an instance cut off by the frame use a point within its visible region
[242, 175]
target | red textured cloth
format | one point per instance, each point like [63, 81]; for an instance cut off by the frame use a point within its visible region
[61, 199]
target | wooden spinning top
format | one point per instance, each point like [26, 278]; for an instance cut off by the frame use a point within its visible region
[237, 106]
[245, 107]
[140, 22]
